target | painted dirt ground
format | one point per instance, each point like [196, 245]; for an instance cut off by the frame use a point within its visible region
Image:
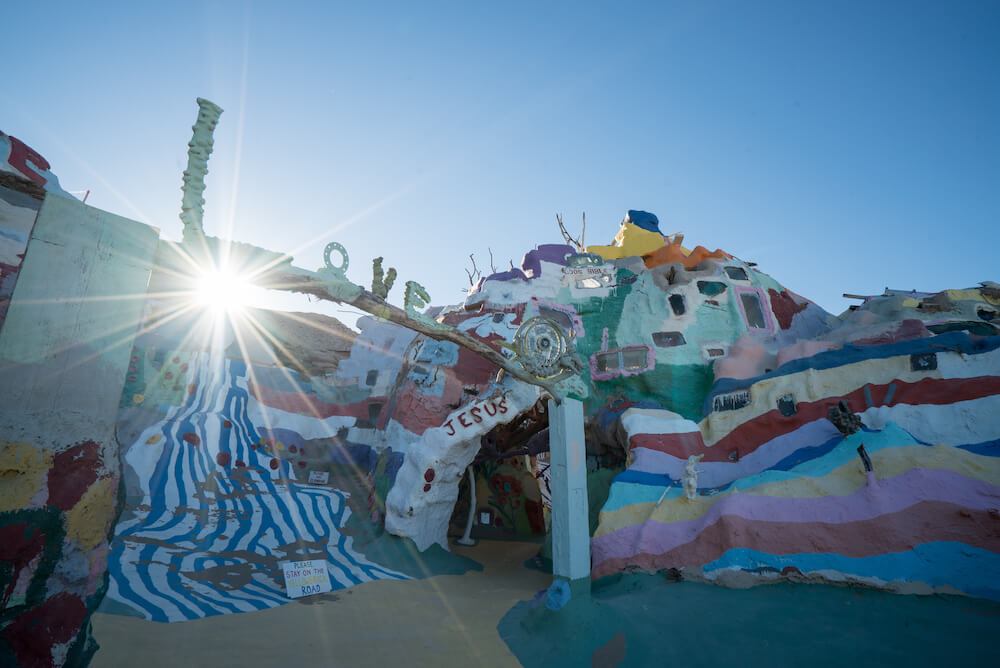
[494, 617]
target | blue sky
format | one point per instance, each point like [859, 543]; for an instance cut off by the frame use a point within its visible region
[843, 146]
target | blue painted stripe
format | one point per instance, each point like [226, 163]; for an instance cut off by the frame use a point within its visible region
[986, 448]
[627, 487]
[938, 563]
[851, 354]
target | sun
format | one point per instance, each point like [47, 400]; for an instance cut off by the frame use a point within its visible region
[222, 291]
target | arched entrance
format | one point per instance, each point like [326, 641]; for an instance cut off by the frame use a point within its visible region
[511, 481]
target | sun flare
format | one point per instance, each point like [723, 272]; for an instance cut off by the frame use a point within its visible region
[223, 291]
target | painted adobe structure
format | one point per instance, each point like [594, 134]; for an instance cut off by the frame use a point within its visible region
[685, 353]
[71, 293]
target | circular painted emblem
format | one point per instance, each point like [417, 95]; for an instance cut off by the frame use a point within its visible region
[330, 248]
[540, 345]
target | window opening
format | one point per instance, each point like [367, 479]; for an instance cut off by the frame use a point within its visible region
[923, 362]
[591, 282]
[786, 405]
[627, 361]
[972, 327]
[607, 362]
[634, 358]
[753, 311]
[371, 377]
[677, 304]
[737, 273]
[711, 288]
[668, 339]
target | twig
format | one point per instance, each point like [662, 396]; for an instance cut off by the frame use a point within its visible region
[565, 234]
[475, 273]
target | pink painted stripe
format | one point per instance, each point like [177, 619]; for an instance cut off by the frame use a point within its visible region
[925, 522]
[891, 495]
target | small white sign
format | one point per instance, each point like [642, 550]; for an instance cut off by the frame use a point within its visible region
[304, 578]
[319, 477]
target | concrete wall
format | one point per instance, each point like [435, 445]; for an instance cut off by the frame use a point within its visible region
[64, 354]
[19, 204]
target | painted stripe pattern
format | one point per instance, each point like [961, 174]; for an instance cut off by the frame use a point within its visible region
[787, 494]
[220, 514]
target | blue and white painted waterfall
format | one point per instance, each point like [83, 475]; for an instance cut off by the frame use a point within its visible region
[216, 519]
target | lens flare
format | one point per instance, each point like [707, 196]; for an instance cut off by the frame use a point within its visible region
[223, 291]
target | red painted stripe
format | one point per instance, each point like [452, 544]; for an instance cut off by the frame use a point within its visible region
[304, 404]
[930, 391]
[679, 445]
[924, 522]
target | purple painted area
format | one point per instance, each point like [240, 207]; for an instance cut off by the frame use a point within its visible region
[906, 331]
[508, 275]
[531, 264]
[555, 253]
[889, 496]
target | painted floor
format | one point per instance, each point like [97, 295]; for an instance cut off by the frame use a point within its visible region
[445, 620]
[475, 619]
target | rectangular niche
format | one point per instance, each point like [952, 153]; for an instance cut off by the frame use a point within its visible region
[737, 273]
[591, 282]
[626, 361]
[711, 288]
[732, 401]
[753, 306]
[923, 362]
[668, 339]
[676, 304]
[714, 351]
[374, 410]
[608, 363]
[634, 359]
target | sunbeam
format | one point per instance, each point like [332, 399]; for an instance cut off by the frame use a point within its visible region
[222, 291]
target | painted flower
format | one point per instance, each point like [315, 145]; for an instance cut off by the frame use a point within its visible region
[507, 489]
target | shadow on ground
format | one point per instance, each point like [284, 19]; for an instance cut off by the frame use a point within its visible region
[645, 620]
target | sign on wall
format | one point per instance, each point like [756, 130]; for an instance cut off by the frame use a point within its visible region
[319, 477]
[305, 578]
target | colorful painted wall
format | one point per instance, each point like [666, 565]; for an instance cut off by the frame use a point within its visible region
[647, 327]
[685, 352]
[64, 349]
[781, 493]
[696, 353]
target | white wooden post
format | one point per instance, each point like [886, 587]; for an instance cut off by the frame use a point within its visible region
[570, 525]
